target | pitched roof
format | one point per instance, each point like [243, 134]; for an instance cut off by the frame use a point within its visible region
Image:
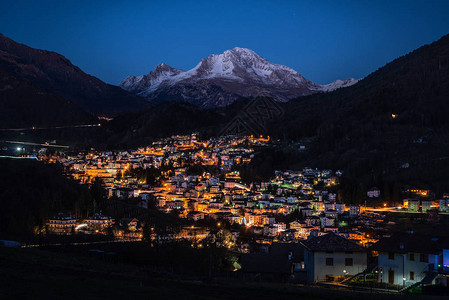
[128, 220]
[98, 216]
[62, 216]
[412, 242]
[332, 242]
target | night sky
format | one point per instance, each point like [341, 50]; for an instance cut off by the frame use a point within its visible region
[322, 40]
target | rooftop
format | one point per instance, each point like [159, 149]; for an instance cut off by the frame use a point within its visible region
[331, 242]
[412, 242]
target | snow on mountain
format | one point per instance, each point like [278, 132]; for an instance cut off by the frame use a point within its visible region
[338, 84]
[220, 79]
[150, 82]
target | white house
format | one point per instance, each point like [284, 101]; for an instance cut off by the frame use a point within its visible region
[413, 204]
[331, 255]
[306, 212]
[329, 206]
[354, 210]
[295, 225]
[408, 258]
[281, 226]
[327, 222]
[444, 205]
[426, 205]
[340, 207]
[373, 192]
[98, 222]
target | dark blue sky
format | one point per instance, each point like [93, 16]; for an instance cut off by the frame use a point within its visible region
[322, 40]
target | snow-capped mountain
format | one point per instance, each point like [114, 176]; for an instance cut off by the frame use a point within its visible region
[220, 79]
[338, 84]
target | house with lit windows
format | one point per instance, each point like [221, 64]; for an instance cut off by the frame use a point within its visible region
[130, 224]
[61, 224]
[410, 259]
[98, 222]
[331, 256]
[444, 205]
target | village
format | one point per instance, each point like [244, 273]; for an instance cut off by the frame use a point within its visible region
[292, 226]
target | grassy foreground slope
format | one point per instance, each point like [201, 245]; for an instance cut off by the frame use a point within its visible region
[38, 274]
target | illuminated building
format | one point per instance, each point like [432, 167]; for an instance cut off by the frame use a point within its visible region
[61, 224]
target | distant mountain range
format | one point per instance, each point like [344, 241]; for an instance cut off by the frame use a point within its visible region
[26, 74]
[56, 74]
[221, 79]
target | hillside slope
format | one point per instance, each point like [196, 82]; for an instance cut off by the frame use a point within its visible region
[22, 104]
[52, 71]
[396, 115]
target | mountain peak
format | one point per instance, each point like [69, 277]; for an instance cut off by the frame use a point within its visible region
[242, 54]
[241, 51]
[237, 72]
[162, 67]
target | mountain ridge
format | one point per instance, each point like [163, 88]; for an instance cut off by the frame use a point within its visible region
[54, 72]
[220, 79]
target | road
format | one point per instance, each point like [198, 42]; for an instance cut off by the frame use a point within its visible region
[35, 144]
[47, 128]
[396, 210]
[78, 243]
